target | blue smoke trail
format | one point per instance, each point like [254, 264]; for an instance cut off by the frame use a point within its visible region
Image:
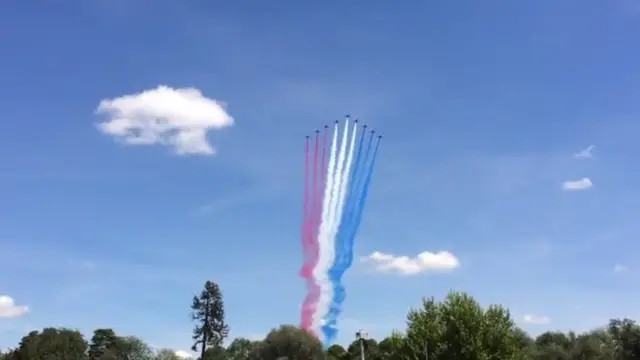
[338, 268]
[363, 200]
[356, 198]
[347, 217]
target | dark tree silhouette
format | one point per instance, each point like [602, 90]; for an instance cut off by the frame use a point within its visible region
[208, 312]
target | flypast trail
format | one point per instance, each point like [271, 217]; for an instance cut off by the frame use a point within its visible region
[338, 169]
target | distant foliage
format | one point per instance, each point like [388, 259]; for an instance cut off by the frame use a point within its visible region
[456, 328]
[289, 342]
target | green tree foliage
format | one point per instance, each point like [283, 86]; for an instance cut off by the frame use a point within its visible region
[625, 341]
[208, 313]
[166, 354]
[51, 344]
[103, 344]
[289, 342]
[240, 349]
[106, 345]
[554, 344]
[11, 354]
[214, 353]
[393, 347]
[525, 345]
[133, 348]
[458, 328]
[336, 352]
[370, 350]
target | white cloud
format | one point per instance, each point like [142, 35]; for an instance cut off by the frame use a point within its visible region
[180, 118]
[168, 353]
[585, 153]
[255, 337]
[423, 262]
[536, 320]
[9, 309]
[184, 354]
[573, 185]
[619, 268]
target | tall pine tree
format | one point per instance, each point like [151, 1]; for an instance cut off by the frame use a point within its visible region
[208, 313]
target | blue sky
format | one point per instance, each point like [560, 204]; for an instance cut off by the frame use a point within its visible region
[482, 104]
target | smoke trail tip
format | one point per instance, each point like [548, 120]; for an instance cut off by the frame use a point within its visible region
[326, 126]
[337, 121]
[317, 131]
[347, 116]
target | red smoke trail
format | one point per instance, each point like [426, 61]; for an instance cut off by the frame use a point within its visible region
[316, 206]
[305, 208]
[310, 243]
[320, 191]
[313, 212]
[324, 174]
[308, 235]
[318, 188]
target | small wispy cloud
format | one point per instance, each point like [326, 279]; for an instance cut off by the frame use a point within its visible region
[179, 118]
[575, 185]
[585, 153]
[9, 308]
[255, 336]
[536, 319]
[406, 265]
[619, 268]
[184, 354]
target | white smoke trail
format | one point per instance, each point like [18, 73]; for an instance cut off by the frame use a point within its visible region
[335, 192]
[325, 238]
[342, 184]
[336, 218]
[326, 289]
[322, 266]
[336, 205]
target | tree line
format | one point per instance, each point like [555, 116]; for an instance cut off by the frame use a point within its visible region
[456, 328]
